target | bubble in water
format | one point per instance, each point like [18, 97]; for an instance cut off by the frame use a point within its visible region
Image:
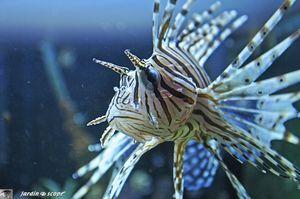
[75, 176]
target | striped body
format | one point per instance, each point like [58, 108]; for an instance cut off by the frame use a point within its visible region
[170, 97]
[143, 108]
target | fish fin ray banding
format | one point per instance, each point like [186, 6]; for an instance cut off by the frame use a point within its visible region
[178, 180]
[256, 40]
[241, 192]
[116, 186]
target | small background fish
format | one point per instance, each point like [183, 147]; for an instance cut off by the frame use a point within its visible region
[42, 132]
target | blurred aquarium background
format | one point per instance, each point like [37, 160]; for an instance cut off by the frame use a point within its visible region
[50, 88]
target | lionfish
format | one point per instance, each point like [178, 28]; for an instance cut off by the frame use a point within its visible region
[170, 97]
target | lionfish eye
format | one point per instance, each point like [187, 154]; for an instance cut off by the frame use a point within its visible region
[152, 75]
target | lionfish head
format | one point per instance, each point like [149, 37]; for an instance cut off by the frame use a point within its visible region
[148, 102]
